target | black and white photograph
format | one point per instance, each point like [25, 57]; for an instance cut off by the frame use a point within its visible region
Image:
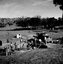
[31, 32]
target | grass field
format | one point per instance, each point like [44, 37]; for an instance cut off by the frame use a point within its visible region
[53, 55]
[4, 34]
[39, 56]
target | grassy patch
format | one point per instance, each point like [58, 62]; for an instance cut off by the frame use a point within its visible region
[39, 56]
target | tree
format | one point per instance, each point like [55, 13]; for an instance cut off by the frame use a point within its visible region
[60, 3]
[51, 22]
[34, 21]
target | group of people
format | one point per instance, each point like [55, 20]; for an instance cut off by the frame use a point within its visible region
[38, 41]
[18, 45]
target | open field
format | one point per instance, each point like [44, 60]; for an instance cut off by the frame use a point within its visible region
[28, 33]
[53, 55]
[39, 56]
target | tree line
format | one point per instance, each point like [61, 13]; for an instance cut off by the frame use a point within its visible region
[47, 23]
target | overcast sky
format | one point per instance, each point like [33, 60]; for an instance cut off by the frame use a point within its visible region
[18, 8]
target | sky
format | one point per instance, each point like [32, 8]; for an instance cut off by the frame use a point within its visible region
[29, 8]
